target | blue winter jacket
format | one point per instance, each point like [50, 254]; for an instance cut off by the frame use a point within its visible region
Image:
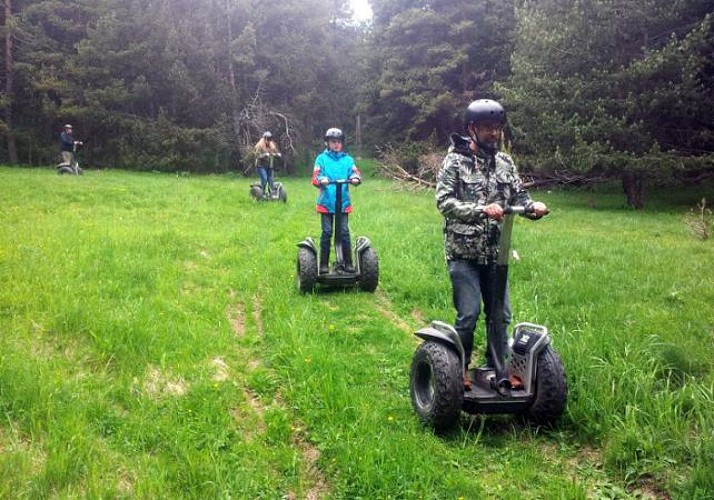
[334, 167]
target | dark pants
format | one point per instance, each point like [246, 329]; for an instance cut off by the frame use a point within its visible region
[470, 283]
[266, 178]
[327, 223]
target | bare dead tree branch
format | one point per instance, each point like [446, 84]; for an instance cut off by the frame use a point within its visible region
[288, 134]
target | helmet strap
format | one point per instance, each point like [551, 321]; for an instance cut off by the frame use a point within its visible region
[484, 148]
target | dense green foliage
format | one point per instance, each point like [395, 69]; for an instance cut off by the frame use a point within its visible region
[595, 87]
[153, 345]
[614, 87]
[176, 85]
[430, 59]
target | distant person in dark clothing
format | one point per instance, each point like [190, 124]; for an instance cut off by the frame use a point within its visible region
[67, 146]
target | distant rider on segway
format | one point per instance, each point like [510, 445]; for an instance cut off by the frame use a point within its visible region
[333, 164]
[266, 150]
[475, 174]
[68, 145]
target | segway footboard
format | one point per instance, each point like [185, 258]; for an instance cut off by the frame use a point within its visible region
[529, 340]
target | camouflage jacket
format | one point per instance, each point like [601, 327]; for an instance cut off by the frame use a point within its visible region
[465, 181]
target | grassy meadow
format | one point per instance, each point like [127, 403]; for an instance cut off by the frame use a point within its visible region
[153, 344]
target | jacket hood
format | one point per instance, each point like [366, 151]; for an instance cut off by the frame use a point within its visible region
[460, 144]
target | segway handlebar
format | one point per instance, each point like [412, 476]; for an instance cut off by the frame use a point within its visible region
[339, 182]
[512, 209]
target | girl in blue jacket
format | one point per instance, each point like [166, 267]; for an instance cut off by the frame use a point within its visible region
[333, 164]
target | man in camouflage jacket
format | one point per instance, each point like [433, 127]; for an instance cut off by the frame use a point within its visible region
[475, 174]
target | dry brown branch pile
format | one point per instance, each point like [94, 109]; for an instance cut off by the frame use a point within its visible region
[428, 165]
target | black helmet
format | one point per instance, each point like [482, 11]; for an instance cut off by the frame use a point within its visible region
[267, 135]
[484, 110]
[334, 134]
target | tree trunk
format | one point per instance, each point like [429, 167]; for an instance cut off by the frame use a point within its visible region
[633, 184]
[235, 113]
[358, 134]
[11, 143]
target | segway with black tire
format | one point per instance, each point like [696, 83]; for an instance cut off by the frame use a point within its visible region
[278, 192]
[71, 168]
[366, 270]
[437, 387]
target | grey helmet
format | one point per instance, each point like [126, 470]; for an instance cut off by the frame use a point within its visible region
[484, 110]
[334, 134]
[68, 126]
[267, 135]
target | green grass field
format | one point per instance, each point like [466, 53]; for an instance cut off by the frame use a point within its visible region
[153, 345]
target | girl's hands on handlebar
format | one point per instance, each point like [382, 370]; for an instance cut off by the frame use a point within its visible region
[354, 180]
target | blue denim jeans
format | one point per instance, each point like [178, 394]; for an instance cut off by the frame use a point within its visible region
[266, 178]
[470, 287]
[327, 223]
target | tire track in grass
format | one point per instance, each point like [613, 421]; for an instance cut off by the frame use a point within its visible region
[385, 308]
[236, 317]
[311, 474]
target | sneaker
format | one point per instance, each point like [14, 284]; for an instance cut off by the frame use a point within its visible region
[467, 381]
[516, 382]
[324, 269]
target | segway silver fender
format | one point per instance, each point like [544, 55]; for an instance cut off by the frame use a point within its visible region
[443, 333]
[526, 344]
[308, 243]
[361, 244]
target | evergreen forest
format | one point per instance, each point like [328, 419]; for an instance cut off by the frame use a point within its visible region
[594, 89]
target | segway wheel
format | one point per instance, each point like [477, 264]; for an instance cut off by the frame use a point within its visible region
[256, 192]
[306, 276]
[368, 270]
[65, 170]
[551, 390]
[283, 196]
[436, 385]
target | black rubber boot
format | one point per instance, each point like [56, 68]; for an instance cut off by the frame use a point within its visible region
[325, 258]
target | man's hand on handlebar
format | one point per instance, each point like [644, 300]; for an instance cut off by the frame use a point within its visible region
[493, 211]
[538, 209]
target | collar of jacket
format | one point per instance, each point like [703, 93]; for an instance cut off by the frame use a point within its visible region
[334, 154]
